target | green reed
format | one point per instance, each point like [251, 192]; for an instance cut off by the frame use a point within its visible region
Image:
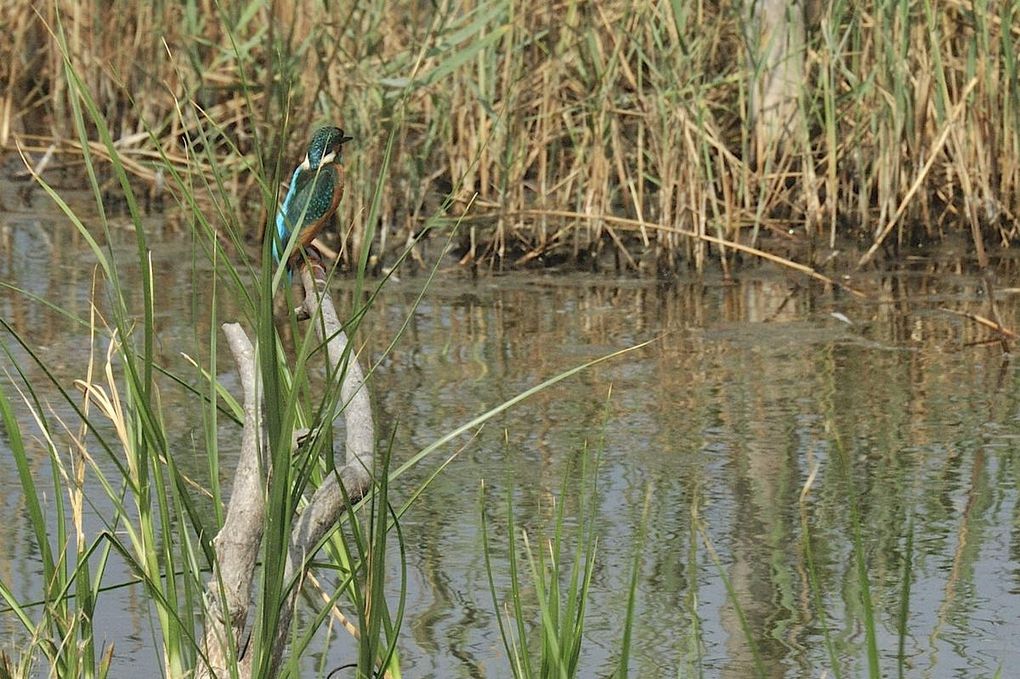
[167, 546]
[551, 583]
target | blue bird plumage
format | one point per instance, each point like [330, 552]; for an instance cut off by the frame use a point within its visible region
[316, 187]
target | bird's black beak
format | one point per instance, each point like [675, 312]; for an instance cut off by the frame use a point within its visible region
[344, 139]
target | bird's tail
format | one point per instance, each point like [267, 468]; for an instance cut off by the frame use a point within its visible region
[280, 237]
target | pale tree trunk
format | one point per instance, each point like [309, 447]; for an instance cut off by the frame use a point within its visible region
[775, 41]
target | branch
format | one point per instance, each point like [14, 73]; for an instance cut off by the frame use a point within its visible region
[354, 479]
[237, 543]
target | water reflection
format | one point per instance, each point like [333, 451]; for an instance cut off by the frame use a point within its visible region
[751, 388]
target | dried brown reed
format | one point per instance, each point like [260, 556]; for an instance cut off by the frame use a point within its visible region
[559, 119]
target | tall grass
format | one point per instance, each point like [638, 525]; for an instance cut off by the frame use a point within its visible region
[120, 444]
[561, 118]
[558, 578]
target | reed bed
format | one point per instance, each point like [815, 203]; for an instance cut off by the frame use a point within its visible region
[529, 134]
[541, 120]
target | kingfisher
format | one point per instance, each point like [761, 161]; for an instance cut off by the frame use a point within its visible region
[314, 194]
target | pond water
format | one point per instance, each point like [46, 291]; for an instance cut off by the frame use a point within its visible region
[748, 394]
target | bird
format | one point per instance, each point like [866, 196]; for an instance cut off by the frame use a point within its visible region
[316, 187]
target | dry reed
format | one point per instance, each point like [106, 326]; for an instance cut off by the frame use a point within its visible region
[561, 118]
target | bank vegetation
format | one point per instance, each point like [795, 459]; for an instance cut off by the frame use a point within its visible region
[642, 135]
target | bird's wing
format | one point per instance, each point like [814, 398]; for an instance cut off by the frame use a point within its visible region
[310, 199]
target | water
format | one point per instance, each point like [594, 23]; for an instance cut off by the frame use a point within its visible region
[750, 388]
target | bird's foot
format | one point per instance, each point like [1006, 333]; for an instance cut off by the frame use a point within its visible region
[302, 438]
[314, 260]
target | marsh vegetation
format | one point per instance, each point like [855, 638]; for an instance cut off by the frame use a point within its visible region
[614, 133]
[755, 477]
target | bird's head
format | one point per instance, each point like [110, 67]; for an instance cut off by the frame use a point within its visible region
[324, 147]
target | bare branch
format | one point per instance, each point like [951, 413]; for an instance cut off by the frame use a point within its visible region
[353, 479]
[237, 543]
